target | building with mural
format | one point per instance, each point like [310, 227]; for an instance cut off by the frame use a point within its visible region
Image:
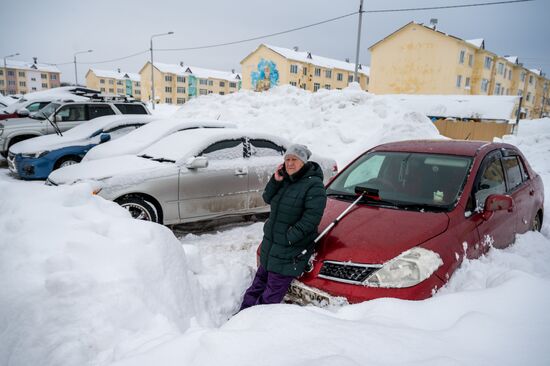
[20, 77]
[268, 66]
[419, 59]
[114, 82]
[177, 83]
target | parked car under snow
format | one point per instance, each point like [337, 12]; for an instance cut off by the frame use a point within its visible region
[426, 206]
[190, 175]
[37, 157]
[138, 140]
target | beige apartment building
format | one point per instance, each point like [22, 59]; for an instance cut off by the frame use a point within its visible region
[269, 66]
[419, 59]
[177, 83]
[19, 77]
[114, 82]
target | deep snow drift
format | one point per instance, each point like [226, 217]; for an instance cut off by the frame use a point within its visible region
[84, 284]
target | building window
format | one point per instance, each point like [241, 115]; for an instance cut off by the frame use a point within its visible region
[53, 76]
[528, 97]
[168, 78]
[497, 89]
[33, 79]
[458, 81]
[461, 57]
[523, 76]
[520, 92]
[180, 90]
[327, 86]
[102, 81]
[293, 83]
[137, 92]
[120, 91]
[11, 73]
[339, 76]
[305, 70]
[317, 71]
[222, 84]
[168, 100]
[102, 90]
[33, 89]
[111, 82]
[203, 82]
[210, 92]
[138, 84]
[181, 79]
[500, 68]
[350, 78]
[510, 75]
[210, 82]
[203, 91]
[11, 82]
[44, 76]
[293, 69]
[119, 82]
[328, 74]
[222, 93]
[1, 84]
[111, 90]
[467, 83]
[488, 62]
[22, 83]
[232, 85]
[470, 60]
[530, 79]
[168, 89]
[21, 74]
[180, 100]
[316, 86]
[484, 85]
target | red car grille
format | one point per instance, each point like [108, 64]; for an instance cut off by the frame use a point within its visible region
[347, 272]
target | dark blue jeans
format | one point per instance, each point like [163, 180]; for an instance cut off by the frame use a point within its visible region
[267, 288]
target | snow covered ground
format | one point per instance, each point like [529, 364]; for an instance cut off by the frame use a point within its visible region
[83, 283]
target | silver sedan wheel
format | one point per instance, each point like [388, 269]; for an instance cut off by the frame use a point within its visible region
[138, 211]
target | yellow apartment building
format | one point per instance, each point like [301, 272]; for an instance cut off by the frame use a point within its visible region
[269, 66]
[114, 82]
[419, 59]
[19, 77]
[177, 83]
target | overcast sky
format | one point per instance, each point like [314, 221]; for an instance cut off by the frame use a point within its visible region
[54, 30]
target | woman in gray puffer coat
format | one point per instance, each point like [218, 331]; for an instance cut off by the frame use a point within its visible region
[297, 197]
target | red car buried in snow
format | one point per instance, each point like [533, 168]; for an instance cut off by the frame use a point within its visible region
[426, 205]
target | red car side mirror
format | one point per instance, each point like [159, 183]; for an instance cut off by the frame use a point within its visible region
[497, 202]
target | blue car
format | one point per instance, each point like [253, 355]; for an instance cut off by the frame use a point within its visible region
[36, 158]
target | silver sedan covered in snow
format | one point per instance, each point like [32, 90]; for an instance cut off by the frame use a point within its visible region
[190, 175]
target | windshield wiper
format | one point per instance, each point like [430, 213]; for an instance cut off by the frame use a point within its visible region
[365, 199]
[421, 206]
[162, 160]
[55, 127]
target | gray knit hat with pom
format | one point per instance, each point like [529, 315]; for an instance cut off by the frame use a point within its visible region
[300, 151]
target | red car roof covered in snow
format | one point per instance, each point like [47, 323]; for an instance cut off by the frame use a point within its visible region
[449, 147]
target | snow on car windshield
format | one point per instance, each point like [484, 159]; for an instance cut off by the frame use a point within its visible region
[411, 178]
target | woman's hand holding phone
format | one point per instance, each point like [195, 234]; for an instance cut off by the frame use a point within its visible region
[278, 175]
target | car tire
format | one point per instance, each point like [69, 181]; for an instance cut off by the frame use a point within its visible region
[537, 222]
[139, 208]
[66, 161]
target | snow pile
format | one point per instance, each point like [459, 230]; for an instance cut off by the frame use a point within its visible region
[82, 282]
[499, 107]
[339, 124]
[163, 110]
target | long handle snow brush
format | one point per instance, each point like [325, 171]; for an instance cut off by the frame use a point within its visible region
[361, 191]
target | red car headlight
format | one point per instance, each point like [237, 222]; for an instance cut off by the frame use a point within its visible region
[406, 270]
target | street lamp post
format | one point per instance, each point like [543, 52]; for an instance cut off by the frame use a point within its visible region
[152, 71]
[75, 71]
[358, 41]
[6, 70]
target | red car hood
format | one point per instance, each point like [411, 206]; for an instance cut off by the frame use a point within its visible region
[372, 234]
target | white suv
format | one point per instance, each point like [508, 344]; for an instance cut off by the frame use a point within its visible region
[57, 117]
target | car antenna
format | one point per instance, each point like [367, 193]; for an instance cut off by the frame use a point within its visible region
[217, 118]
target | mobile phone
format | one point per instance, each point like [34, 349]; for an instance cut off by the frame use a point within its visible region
[282, 170]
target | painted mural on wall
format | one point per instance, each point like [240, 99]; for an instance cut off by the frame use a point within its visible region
[192, 89]
[266, 77]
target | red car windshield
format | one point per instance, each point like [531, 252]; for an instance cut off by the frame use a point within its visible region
[406, 180]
